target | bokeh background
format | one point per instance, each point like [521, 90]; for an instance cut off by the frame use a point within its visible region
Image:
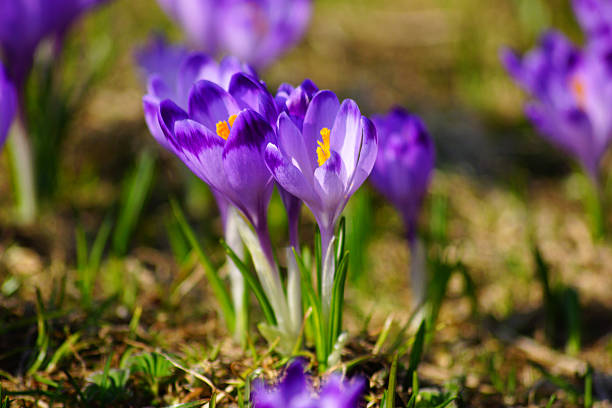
[503, 187]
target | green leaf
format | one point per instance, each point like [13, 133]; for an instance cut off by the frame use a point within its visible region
[253, 283]
[416, 354]
[133, 200]
[337, 301]
[218, 287]
[392, 383]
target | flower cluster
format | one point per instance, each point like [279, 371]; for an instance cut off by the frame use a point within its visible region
[295, 391]
[229, 130]
[256, 31]
[571, 86]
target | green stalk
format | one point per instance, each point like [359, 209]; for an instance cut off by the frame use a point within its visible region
[22, 173]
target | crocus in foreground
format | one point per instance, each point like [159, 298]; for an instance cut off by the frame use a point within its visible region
[255, 31]
[8, 105]
[296, 391]
[572, 91]
[404, 164]
[323, 164]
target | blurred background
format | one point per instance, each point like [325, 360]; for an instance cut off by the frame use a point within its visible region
[501, 187]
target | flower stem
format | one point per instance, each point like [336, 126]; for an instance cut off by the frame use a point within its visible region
[328, 269]
[22, 173]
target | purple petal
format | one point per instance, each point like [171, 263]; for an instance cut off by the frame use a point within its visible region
[201, 150]
[321, 114]
[150, 105]
[289, 177]
[346, 134]
[210, 104]
[292, 145]
[330, 186]
[244, 164]
[367, 154]
[191, 70]
[168, 114]
[251, 94]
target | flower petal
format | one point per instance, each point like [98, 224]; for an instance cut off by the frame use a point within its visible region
[168, 114]
[201, 150]
[292, 144]
[321, 114]
[150, 106]
[289, 177]
[331, 188]
[194, 68]
[251, 94]
[346, 134]
[210, 104]
[367, 154]
[243, 160]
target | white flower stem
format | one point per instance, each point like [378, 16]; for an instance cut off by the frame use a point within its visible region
[232, 237]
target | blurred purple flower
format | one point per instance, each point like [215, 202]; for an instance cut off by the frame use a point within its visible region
[171, 71]
[296, 391]
[294, 101]
[404, 164]
[255, 31]
[572, 89]
[595, 18]
[8, 105]
[25, 23]
[325, 162]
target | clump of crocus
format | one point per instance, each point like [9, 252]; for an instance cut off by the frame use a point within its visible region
[323, 163]
[402, 173]
[255, 31]
[8, 105]
[296, 391]
[24, 25]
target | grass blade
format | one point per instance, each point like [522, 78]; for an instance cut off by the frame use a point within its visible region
[218, 287]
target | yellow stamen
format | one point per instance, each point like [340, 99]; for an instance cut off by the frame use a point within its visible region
[223, 130]
[323, 151]
[579, 91]
[232, 119]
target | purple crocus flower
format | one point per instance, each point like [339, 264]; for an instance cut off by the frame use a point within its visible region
[296, 391]
[255, 31]
[8, 105]
[25, 23]
[294, 101]
[222, 137]
[324, 163]
[404, 164]
[572, 89]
